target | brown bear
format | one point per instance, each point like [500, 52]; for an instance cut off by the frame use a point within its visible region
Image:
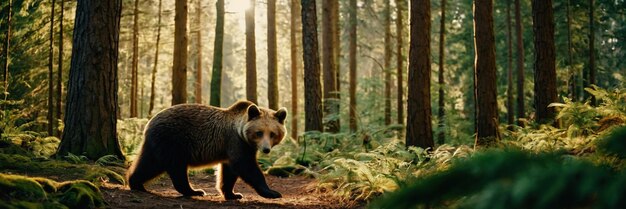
[194, 135]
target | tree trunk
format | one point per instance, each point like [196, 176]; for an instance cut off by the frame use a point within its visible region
[311, 57]
[520, 65]
[419, 124]
[336, 54]
[50, 116]
[135, 62]
[545, 57]
[400, 59]
[216, 76]
[179, 75]
[90, 121]
[485, 74]
[510, 112]
[387, 60]
[198, 84]
[156, 62]
[7, 46]
[352, 62]
[573, 80]
[272, 60]
[250, 55]
[442, 42]
[60, 72]
[592, 57]
[295, 13]
[329, 67]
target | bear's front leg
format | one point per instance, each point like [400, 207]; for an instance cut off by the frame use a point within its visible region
[250, 172]
[180, 179]
[226, 179]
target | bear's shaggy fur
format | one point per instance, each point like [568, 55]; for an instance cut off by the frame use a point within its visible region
[194, 135]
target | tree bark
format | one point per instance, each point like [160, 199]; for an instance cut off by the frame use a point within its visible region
[336, 54]
[272, 57]
[156, 62]
[573, 80]
[419, 123]
[592, 58]
[179, 75]
[216, 77]
[400, 60]
[442, 42]
[90, 122]
[387, 60]
[352, 62]
[60, 73]
[510, 110]
[7, 47]
[50, 116]
[312, 86]
[485, 74]
[521, 112]
[198, 83]
[545, 58]
[329, 67]
[251, 79]
[295, 13]
[135, 62]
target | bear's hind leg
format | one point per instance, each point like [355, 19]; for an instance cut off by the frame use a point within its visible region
[142, 171]
[226, 179]
[178, 174]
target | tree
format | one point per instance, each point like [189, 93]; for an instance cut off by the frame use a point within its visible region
[400, 59]
[272, 63]
[336, 54]
[295, 13]
[156, 61]
[510, 112]
[216, 79]
[250, 55]
[485, 74]
[545, 58]
[573, 80]
[179, 74]
[419, 125]
[90, 121]
[352, 62]
[198, 83]
[520, 64]
[329, 66]
[50, 116]
[387, 60]
[591, 76]
[60, 71]
[442, 41]
[312, 86]
[7, 47]
[134, 76]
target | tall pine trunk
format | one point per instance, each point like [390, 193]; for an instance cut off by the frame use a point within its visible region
[59, 87]
[591, 78]
[485, 74]
[272, 57]
[198, 83]
[7, 47]
[156, 62]
[387, 61]
[251, 79]
[179, 74]
[295, 13]
[329, 66]
[216, 76]
[312, 86]
[442, 42]
[545, 58]
[573, 80]
[521, 111]
[90, 121]
[336, 54]
[400, 60]
[134, 75]
[50, 116]
[419, 120]
[510, 110]
[352, 62]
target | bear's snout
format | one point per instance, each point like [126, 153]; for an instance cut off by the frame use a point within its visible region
[266, 150]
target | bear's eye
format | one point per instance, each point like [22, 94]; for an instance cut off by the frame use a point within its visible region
[272, 135]
[259, 133]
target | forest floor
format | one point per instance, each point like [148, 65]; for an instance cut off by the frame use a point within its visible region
[297, 193]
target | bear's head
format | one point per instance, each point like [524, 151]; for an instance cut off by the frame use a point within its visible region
[264, 128]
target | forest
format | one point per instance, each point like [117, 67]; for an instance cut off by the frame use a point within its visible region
[389, 103]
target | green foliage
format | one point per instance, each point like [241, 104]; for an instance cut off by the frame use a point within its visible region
[614, 143]
[25, 192]
[130, 134]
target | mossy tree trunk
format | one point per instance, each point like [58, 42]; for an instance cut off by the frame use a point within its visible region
[90, 119]
[216, 76]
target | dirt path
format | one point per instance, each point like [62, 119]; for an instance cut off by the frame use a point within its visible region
[295, 190]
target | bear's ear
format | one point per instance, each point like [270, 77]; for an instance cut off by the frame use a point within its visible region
[281, 114]
[253, 112]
